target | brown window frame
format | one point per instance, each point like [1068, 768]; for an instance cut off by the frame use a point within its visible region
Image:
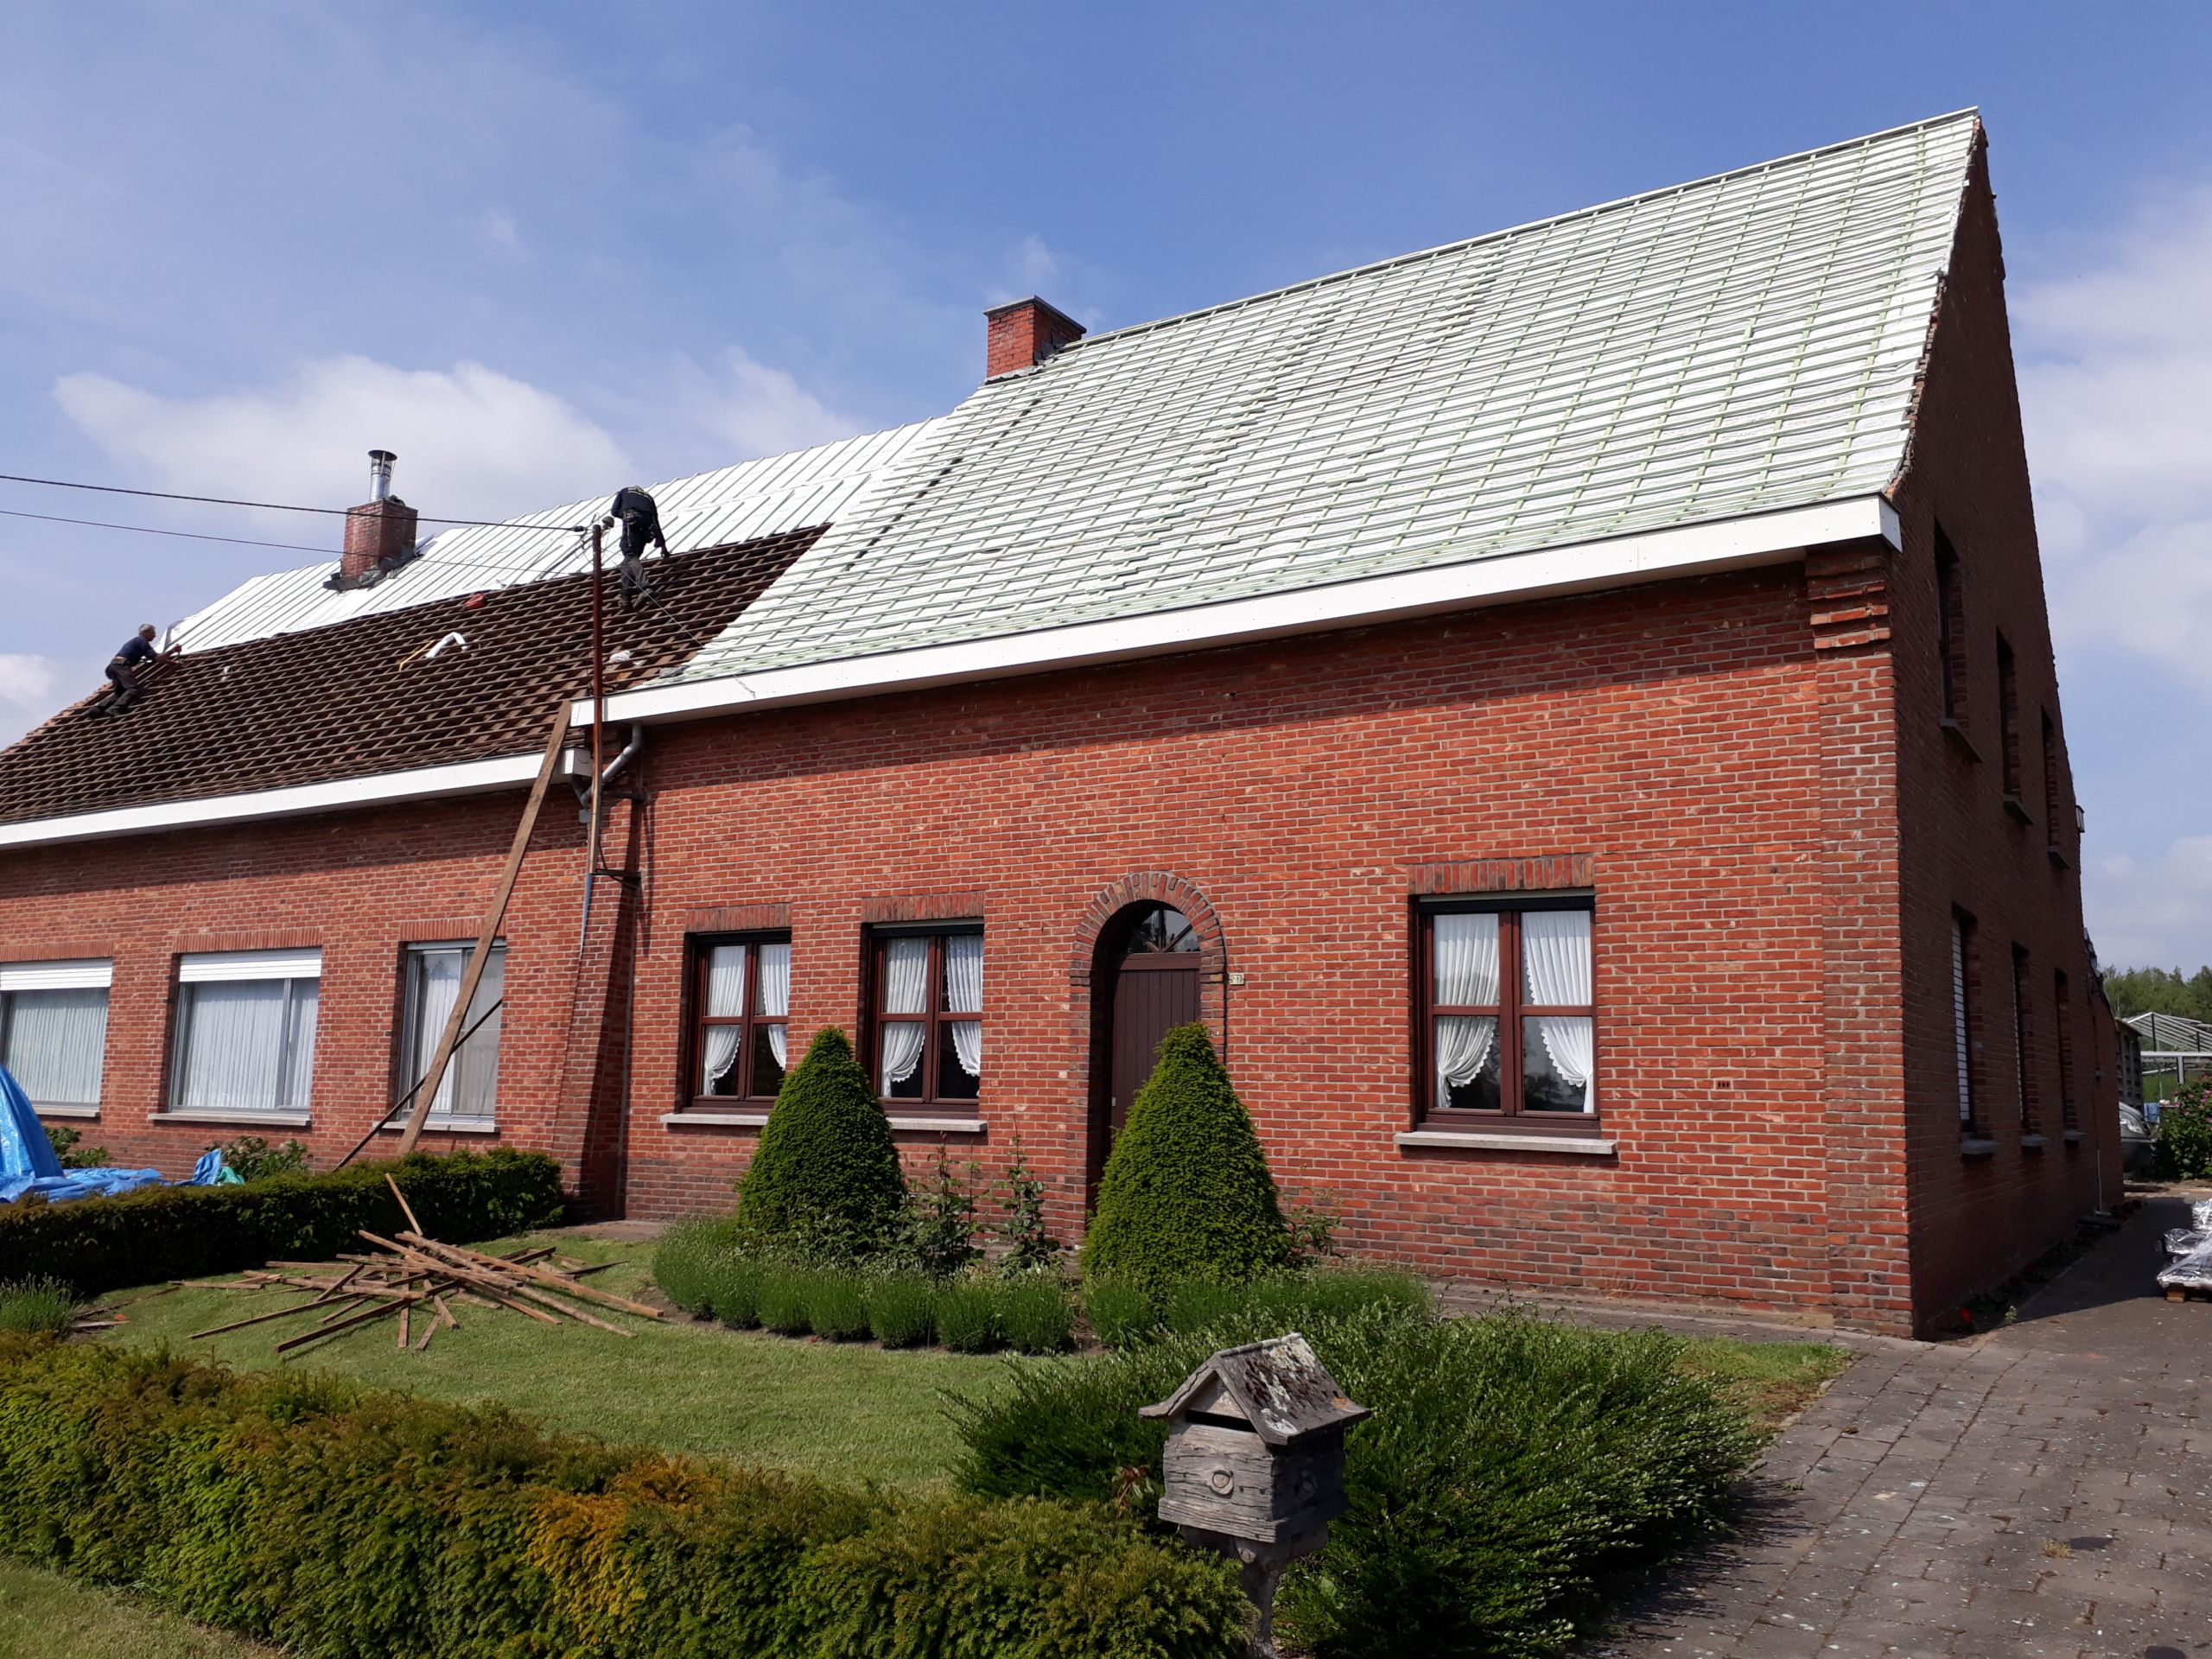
[934, 1017]
[1965, 998]
[2023, 1043]
[2008, 728]
[698, 1021]
[1508, 1011]
[1950, 628]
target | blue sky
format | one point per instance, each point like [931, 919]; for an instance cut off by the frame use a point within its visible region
[538, 248]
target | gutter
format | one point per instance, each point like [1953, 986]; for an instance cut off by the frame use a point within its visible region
[1742, 543]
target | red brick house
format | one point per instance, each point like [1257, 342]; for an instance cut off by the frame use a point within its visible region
[1572, 710]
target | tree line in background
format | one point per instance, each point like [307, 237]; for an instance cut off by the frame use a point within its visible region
[2160, 990]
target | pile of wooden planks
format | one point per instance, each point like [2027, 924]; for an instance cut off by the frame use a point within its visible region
[418, 1280]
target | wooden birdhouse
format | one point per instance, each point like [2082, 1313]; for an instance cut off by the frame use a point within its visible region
[1255, 1449]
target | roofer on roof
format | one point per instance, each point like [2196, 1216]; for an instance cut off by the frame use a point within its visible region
[640, 519]
[125, 667]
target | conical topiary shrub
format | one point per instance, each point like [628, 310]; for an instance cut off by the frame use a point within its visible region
[1186, 1192]
[825, 1181]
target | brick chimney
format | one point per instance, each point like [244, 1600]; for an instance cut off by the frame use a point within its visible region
[380, 534]
[1024, 333]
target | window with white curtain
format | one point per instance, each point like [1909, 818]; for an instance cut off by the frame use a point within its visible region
[741, 998]
[245, 1028]
[1508, 1019]
[927, 994]
[470, 1088]
[54, 1029]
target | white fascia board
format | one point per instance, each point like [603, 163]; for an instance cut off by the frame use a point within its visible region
[426, 782]
[1695, 549]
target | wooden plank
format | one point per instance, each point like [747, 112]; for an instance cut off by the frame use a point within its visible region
[544, 1275]
[551, 1301]
[405, 1208]
[489, 1282]
[433, 1075]
[406, 1309]
[376, 1311]
[260, 1318]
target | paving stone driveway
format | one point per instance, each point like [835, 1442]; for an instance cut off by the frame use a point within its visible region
[2045, 1489]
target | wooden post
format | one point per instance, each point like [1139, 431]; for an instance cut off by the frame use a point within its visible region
[428, 1093]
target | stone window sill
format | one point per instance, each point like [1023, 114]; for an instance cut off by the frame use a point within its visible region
[2057, 856]
[66, 1111]
[2034, 1142]
[445, 1126]
[1956, 733]
[237, 1120]
[940, 1125]
[1577, 1146]
[714, 1120]
[2073, 1137]
[2017, 810]
[1975, 1146]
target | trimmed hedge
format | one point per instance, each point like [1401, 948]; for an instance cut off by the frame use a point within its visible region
[826, 1180]
[1513, 1468]
[347, 1523]
[95, 1245]
[1186, 1192]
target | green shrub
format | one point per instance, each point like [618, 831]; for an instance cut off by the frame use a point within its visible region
[1120, 1315]
[1511, 1468]
[902, 1310]
[968, 1317]
[1029, 1246]
[941, 1220]
[837, 1304]
[95, 1245]
[255, 1159]
[783, 1297]
[1035, 1315]
[64, 1141]
[826, 1180]
[32, 1306]
[1290, 1300]
[734, 1281]
[299, 1510]
[686, 1261]
[2184, 1132]
[1186, 1192]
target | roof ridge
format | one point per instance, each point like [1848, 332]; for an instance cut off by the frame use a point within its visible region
[1971, 112]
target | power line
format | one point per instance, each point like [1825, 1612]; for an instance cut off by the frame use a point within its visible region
[148, 529]
[272, 507]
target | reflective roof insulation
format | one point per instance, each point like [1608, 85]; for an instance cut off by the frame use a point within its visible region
[752, 499]
[1735, 346]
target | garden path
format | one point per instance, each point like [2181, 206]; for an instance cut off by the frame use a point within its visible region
[2044, 1490]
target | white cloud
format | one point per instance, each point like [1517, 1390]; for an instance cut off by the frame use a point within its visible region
[2115, 364]
[472, 442]
[763, 411]
[26, 681]
[2153, 911]
[499, 229]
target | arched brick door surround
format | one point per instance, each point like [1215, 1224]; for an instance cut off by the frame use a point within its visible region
[1158, 887]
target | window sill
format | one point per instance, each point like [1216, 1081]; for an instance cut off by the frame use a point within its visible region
[2073, 1137]
[445, 1126]
[2034, 1142]
[65, 1111]
[2016, 810]
[2059, 858]
[1578, 1146]
[242, 1120]
[1975, 1147]
[714, 1120]
[940, 1125]
[1957, 735]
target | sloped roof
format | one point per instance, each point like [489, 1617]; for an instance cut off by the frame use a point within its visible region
[363, 697]
[742, 503]
[1737, 346]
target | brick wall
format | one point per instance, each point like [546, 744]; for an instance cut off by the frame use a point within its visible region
[1975, 1218]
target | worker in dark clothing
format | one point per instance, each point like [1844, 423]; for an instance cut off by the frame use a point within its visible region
[129, 661]
[640, 519]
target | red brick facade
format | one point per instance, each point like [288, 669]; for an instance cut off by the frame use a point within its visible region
[1750, 772]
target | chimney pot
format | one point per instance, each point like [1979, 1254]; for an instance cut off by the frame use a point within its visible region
[380, 473]
[1023, 333]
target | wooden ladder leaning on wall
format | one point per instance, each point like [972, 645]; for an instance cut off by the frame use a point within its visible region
[426, 1091]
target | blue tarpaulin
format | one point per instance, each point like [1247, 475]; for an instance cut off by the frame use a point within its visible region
[27, 1163]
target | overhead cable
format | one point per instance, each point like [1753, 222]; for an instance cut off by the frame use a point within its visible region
[275, 506]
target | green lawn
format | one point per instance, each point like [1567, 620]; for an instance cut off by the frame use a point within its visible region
[45, 1615]
[1769, 1382]
[845, 1411]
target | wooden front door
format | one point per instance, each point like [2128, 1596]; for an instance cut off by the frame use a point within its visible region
[1150, 985]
